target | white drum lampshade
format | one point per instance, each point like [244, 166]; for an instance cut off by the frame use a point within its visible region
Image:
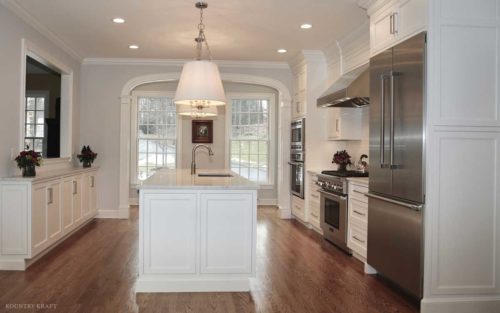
[196, 112]
[200, 85]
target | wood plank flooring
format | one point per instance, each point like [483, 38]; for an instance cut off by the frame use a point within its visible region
[95, 271]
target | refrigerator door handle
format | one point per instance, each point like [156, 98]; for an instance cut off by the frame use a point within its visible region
[392, 166]
[414, 207]
[382, 122]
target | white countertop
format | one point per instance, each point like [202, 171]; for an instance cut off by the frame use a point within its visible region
[360, 180]
[182, 179]
[48, 175]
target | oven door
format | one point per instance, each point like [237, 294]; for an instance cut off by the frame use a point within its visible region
[297, 179]
[333, 217]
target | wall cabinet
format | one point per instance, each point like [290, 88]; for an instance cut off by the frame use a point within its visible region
[46, 208]
[394, 21]
[357, 228]
[299, 93]
[344, 124]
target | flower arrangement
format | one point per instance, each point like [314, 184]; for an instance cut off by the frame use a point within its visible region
[27, 160]
[87, 156]
[343, 159]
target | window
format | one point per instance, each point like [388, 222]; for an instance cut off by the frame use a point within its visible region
[156, 135]
[250, 137]
[35, 123]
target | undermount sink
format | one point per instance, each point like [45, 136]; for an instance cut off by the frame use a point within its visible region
[215, 175]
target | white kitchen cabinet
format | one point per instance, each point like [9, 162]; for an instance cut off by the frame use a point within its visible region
[37, 213]
[394, 21]
[357, 228]
[299, 208]
[226, 225]
[299, 93]
[344, 124]
[170, 243]
[89, 194]
[314, 202]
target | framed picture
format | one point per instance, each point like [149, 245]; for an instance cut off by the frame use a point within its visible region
[202, 131]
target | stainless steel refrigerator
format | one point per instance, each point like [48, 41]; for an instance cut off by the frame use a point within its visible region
[396, 191]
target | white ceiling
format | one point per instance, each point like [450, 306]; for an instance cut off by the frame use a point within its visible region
[249, 30]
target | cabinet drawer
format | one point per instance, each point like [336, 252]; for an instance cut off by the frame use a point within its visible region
[358, 211]
[315, 196]
[357, 240]
[298, 208]
[358, 192]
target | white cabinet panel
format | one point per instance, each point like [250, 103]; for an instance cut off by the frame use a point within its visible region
[67, 204]
[54, 222]
[471, 98]
[344, 124]
[38, 219]
[14, 219]
[170, 238]
[77, 199]
[468, 212]
[381, 35]
[410, 18]
[226, 233]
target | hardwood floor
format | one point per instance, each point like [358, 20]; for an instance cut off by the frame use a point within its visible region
[95, 271]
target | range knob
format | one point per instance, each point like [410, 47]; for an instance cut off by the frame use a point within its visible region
[320, 183]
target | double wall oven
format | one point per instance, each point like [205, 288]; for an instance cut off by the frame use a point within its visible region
[297, 157]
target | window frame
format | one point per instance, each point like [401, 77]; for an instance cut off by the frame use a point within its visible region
[36, 94]
[271, 97]
[134, 181]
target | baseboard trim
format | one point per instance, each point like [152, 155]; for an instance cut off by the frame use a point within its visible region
[460, 305]
[13, 265]
[133, 201]
[144, 285]
[122, 213]
[267, 202]
[284, 213]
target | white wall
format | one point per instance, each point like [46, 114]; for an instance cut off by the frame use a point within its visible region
[101, 88]
[12, 31]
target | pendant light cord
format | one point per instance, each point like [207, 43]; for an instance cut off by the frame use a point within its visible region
[201, 35]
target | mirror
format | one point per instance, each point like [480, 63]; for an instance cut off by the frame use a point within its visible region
[43, 109]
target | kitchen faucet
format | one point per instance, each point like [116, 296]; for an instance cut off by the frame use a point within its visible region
[193, 157]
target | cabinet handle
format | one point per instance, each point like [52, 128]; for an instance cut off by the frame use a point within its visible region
[50, 201]
[314, 195]
[337, 125]
[74, 187]
[359, 213]
[357, 191]
[394, 23]
[357, 239]
[314, 215]
[92, 182]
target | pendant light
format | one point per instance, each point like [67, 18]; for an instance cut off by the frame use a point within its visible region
[187, 110]
[200, 85]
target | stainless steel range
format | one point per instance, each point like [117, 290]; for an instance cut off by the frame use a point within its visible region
[334, 199]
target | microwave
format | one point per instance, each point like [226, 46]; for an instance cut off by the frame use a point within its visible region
[297, 135]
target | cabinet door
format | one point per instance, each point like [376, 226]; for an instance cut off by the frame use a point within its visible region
[38, 219]
[381, 34]
[410, 18]
[54, 222]
[227, 233]
[77, 199]
[334, 123]
[67, 204]
[92, 195]
[169, 231]
[86, 196]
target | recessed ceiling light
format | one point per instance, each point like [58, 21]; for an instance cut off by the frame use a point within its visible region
[118, 20]
[281, 50]
[306, 26]
[133, 47]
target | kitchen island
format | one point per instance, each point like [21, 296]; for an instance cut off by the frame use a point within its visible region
[196, 233]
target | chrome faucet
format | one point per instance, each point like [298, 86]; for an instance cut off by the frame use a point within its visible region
[193, 157]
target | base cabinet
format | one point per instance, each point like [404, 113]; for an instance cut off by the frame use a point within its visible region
[47, 208]
[357, 229]
[192, 240]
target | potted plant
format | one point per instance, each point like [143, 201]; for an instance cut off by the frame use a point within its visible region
[87, 156]
[342, 159]
[27, 160]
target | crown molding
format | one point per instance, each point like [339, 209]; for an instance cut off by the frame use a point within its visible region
[180, 62]
[21, 12]
[364, 4]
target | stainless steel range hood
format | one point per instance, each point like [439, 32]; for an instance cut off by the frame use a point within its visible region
[351, 90]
